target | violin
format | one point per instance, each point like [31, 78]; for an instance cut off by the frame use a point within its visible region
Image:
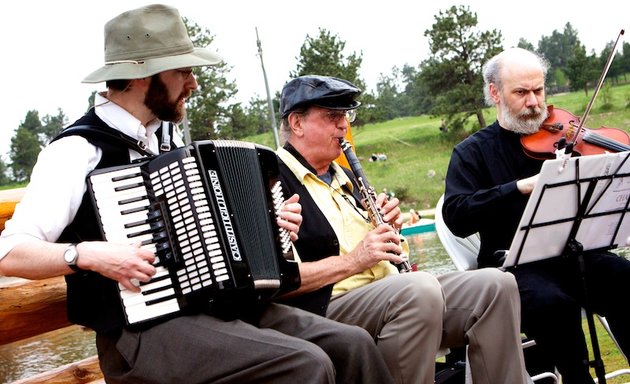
[562, 125]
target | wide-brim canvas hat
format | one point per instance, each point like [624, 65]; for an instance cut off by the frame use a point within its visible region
[148, 40]
[324, 91]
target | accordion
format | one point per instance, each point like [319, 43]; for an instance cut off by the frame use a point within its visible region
[208, 211]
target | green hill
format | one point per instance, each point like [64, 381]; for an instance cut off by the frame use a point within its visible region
[418, 152]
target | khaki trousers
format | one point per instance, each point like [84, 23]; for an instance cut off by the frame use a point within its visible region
[412, 315]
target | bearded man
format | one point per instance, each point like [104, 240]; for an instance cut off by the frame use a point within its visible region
[55, 231]
[488, 183]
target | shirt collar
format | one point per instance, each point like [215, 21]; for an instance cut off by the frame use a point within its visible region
[302, 169]
[119, 118]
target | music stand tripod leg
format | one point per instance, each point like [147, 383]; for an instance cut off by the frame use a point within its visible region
[575, 249]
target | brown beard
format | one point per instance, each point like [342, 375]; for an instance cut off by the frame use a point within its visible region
[157, 101]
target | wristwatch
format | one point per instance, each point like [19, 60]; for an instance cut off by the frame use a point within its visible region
[70, 256]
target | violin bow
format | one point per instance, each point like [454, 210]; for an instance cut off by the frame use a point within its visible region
[568, 149]
[600, 82]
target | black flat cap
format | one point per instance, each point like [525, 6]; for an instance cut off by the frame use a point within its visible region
[323, 91]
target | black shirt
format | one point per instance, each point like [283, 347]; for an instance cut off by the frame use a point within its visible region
[481, 194]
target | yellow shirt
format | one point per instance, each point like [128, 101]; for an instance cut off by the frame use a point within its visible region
[341, 212]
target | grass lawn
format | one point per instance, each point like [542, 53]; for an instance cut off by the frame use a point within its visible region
[611, 356]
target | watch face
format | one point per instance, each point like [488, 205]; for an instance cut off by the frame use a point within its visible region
[70, 255]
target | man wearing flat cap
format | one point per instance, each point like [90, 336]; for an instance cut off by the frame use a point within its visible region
[149, 59]
[346, 263]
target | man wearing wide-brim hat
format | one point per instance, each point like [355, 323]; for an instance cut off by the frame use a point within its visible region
[55, 231]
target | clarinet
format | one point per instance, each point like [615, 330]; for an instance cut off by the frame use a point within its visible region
[368, 195]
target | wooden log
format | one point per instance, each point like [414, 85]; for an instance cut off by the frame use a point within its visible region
[79, 372]
[31, 307]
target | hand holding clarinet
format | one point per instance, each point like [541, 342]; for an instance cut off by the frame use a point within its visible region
[373, 204]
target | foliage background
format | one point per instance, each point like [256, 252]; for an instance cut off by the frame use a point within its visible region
[447, 84]
[418, 152]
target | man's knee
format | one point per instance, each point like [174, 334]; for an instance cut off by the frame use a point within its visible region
[314, 365]
[497, 281]
[421, 293]
[358, 337]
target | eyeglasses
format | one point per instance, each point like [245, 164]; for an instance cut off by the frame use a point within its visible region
[335, 115]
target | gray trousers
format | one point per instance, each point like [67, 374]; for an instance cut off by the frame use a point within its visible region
[412, 315]
[289, 346]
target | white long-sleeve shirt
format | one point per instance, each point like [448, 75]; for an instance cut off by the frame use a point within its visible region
[58, 180]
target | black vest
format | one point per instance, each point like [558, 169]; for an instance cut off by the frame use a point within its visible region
[94, 300]
[316, 239]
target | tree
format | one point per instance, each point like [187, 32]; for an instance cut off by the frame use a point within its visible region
[625, 59]
[453, 73]
[579, 69]
[25, 146]
[323, 55]
[388, 98]
[52, 125]
[32, 123]
[23, 153]
[616, 65]
[257, 114]
[4, 177]
[417, 94]
[522, 43]
[558, 49]
[208, 109]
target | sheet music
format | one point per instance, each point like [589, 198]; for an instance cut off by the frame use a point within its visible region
[550, 214]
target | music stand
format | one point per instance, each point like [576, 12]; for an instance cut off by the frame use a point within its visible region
[577, 205]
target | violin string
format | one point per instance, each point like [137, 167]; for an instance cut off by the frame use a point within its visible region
[605, 142]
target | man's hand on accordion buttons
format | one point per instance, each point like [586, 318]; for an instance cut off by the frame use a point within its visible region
[290, 216]
[126, 263]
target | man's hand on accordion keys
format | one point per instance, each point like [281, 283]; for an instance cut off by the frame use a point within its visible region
[290, 216]
[128, 264]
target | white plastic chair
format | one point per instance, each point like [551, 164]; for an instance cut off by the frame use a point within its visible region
[463, 252]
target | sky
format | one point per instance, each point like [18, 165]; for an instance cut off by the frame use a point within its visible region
[50, 46]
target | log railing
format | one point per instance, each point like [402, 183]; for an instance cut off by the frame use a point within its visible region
[30, 309]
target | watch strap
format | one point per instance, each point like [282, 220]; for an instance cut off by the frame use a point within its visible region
[74, 266]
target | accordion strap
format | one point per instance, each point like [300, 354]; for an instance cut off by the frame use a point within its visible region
[107, 133]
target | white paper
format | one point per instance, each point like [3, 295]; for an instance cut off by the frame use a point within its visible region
[550, 215]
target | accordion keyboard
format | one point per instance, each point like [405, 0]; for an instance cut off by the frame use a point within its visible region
[128, 215]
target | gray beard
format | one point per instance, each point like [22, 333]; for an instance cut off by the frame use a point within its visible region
[525, 123]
